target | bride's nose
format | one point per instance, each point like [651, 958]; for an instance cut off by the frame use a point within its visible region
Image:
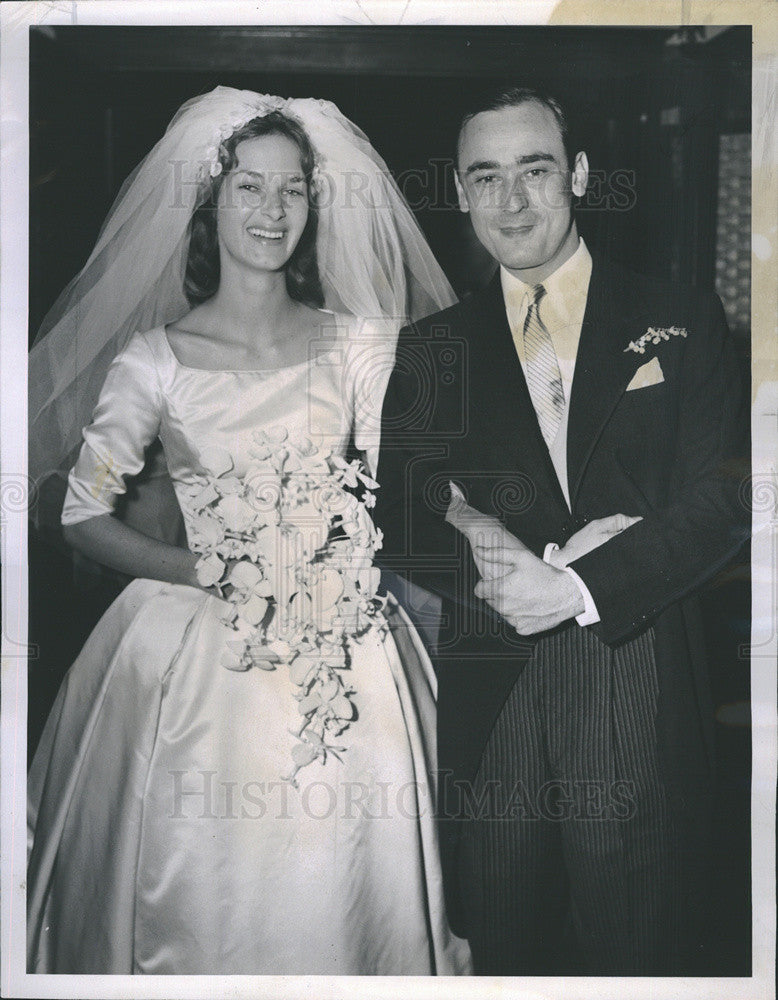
[273, 204]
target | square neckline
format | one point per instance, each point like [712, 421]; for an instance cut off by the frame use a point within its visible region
[242, 371]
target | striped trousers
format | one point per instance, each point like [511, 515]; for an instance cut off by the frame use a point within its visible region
[567, 860]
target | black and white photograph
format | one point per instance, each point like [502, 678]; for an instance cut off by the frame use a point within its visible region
[388, 501]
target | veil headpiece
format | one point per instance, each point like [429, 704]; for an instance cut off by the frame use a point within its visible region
[373, 259]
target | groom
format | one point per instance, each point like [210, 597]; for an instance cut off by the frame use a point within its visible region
[575, 719]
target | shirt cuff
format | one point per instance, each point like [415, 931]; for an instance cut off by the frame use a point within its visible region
[589, 615]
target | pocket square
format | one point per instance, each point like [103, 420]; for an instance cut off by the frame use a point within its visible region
[648, 374]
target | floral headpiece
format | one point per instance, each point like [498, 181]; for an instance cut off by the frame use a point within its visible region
[212, 165]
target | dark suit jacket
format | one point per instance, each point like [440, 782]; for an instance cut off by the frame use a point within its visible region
[676, 453]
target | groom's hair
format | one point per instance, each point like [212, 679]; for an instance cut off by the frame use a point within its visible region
[513, 97]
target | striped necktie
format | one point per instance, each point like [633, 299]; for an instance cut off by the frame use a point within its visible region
[541, 369]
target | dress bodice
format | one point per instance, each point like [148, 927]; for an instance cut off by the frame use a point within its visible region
[148, 393]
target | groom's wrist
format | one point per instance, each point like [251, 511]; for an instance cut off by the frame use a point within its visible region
[556, 599]
[570, 600]
[587, 614]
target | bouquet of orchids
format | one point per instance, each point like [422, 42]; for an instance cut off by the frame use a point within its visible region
[290, 548]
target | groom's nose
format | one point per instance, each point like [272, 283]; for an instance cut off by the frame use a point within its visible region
[516, 198]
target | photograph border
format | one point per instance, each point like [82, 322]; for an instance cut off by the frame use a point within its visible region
[15, 20]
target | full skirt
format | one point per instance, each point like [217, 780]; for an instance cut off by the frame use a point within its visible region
[164, 838]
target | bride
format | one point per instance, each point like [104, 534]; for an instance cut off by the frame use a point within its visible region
[234, 776]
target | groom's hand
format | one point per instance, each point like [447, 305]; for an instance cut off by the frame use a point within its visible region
[532, 596]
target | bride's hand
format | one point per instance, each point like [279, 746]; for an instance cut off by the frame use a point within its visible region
[214, 575]
[591, 536]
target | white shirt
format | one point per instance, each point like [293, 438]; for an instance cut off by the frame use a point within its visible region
[561, 311]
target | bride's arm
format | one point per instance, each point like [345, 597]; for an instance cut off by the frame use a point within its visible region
[125, 421]
[109, 541]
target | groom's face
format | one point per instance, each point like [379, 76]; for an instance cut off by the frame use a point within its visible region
[514, 179]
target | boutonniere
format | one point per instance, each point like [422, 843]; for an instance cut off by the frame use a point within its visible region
[653, 335]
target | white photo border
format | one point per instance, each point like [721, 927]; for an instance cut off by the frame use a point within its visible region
[15, 20]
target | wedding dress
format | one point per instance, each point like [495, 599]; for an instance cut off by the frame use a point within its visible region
[163, 836]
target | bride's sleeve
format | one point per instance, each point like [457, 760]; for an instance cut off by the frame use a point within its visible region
[370, 357]
[125, 421]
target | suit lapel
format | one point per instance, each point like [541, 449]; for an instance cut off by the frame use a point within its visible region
[497, 377]
[603, 369]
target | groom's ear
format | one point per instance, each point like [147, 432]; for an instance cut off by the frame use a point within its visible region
[580, 174]
[463, 205]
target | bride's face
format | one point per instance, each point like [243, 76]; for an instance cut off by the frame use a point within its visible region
[263, 203]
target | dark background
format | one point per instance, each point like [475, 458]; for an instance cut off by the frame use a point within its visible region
[664, 115]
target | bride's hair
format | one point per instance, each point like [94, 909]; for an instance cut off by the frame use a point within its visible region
[202, 266]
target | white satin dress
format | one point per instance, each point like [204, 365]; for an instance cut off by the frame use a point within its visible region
[162, 839]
